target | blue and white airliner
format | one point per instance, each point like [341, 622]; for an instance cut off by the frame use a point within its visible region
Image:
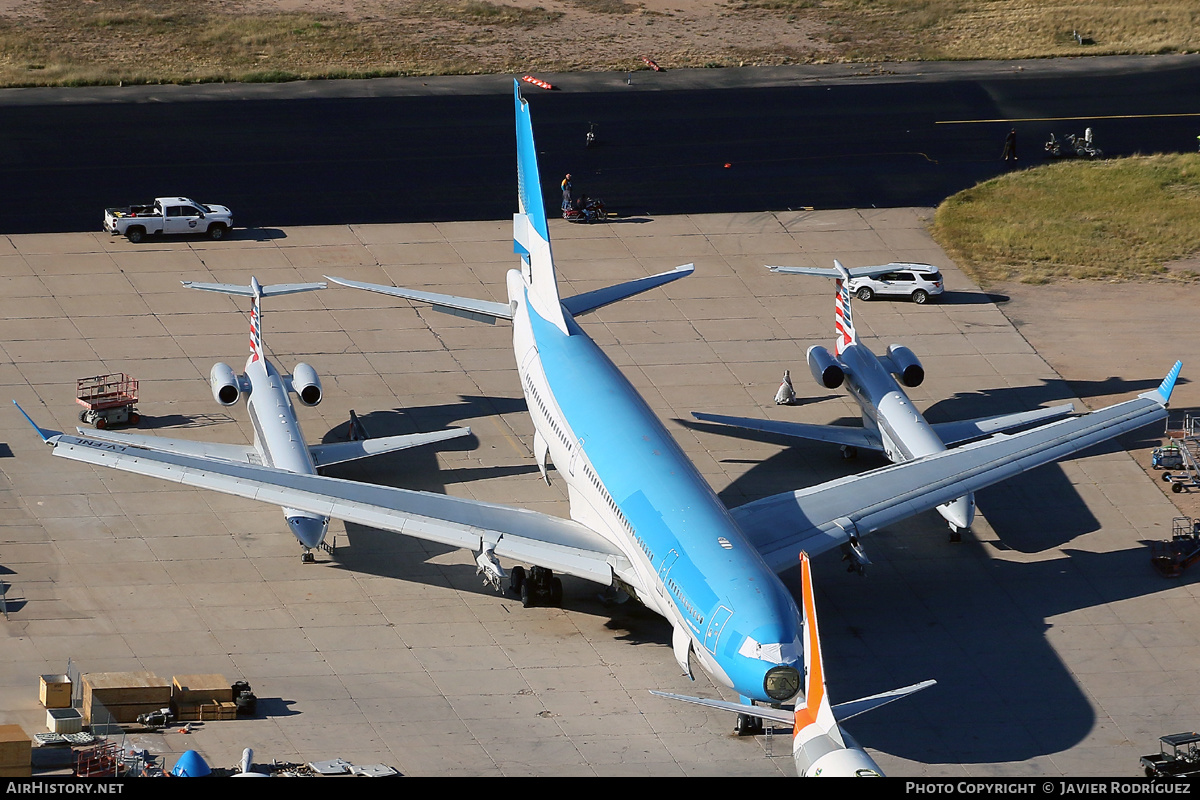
[643, 519]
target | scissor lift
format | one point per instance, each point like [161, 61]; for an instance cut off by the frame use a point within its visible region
[1171, 558]
[108, 400]
[1183, 453]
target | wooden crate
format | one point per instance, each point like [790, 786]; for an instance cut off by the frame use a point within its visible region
[124, 694]
[16, 750]
[55, 691]
[188, 689]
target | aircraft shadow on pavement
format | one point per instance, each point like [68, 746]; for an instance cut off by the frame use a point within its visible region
[181, 421]
[977, 625]
[1003, 694]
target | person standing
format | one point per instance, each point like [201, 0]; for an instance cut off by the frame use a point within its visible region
[567, 199]
[1010, 146]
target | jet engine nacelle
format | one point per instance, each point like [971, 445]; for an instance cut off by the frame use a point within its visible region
[850, 762]
[825, 368]
[306, 384]
[905, 365]
[224, 384]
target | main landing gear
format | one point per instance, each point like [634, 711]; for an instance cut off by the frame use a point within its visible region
[748, 725]
[538, 586]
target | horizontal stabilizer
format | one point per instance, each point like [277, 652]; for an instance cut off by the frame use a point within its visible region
[855, 272]
[248, 291]
[836, 434]
[845, 711]
[325, 455]
[952, 433]
[479, 310]
[598, 298]
[764, 712]
[841, 712]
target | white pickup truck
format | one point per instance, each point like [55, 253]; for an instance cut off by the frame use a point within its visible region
[168, 215]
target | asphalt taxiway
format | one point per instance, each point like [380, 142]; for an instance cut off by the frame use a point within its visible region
[1057, 650]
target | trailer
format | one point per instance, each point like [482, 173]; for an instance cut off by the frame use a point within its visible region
[1178, 756]
[108, 400]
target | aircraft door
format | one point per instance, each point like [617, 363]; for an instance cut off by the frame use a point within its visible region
[664, 569]
[715, 626]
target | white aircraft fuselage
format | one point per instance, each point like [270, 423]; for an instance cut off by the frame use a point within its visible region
[901, 428]
[279, 441]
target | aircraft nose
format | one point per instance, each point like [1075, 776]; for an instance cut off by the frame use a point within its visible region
[309, 530]
[960, 513]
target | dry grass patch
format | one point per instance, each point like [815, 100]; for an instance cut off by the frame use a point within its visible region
[173, 41]
[1120, 219]
[900, 30]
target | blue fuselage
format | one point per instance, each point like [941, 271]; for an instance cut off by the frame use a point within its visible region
[631, 482]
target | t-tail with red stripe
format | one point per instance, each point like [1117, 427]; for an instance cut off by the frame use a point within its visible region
[843, 319]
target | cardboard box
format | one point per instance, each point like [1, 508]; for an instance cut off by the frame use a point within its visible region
[55, 691]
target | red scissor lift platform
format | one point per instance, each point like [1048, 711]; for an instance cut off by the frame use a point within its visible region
[1173, 557]
[108, 400]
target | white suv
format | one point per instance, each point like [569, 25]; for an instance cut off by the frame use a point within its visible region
[917, 281]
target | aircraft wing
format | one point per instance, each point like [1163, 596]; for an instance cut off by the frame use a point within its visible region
[822, 517]
[479, 310]
[340, 452]
[527, 536]
[952, 433]
[237, 453]
[837, 434]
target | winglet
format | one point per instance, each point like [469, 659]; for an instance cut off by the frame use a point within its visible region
[44, 434]
[1163, 393]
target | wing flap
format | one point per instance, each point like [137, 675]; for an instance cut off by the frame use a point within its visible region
[563, 545]
[822, 517]
[325, 455]
[836, 434]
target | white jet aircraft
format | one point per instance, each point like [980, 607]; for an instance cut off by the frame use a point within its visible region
[644, 520]
[891, 423]
[278, 441]
[820, 747]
